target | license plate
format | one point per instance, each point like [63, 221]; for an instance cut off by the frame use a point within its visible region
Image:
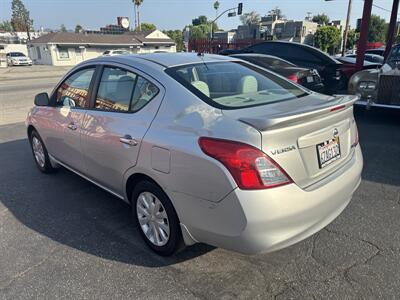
[310, 79]
[328, 152]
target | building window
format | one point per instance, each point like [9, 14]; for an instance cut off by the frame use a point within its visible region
[63, 53]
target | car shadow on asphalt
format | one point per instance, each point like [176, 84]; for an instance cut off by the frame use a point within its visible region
[75, 213]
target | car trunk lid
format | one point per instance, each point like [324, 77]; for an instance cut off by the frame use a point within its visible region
[301, 135]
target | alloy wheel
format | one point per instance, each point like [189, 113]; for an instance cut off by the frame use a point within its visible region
[38, 151]
[153, 219]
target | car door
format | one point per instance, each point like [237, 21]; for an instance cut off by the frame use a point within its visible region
[123, 105]
[62, 122]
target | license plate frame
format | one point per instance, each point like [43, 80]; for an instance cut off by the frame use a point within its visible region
[328, 152]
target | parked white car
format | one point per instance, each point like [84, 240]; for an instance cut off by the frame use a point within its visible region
[18, 59]
[116, 52]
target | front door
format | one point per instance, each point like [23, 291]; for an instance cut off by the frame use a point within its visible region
[124, 106]
[63, 134]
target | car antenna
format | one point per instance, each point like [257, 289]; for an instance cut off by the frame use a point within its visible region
[201, 55]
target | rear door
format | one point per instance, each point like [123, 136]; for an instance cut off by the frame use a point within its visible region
[124, 103]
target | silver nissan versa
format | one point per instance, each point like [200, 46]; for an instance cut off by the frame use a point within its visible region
[205, 148]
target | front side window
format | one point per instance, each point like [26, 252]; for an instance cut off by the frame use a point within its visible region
[231, 84]
[74, 91]
[124, 91]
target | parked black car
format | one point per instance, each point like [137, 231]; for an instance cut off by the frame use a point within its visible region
[303, 56]
[306, 77]
[372, 58]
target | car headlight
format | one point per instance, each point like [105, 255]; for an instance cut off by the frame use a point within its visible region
[367, 85]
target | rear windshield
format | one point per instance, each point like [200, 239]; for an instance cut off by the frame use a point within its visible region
[231, 85]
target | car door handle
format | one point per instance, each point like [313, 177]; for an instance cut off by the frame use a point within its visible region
[128, 140]
[72, 126]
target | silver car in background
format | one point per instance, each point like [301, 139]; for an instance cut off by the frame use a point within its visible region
[205, 148]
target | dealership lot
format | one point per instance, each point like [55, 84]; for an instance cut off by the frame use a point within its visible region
[61, 236]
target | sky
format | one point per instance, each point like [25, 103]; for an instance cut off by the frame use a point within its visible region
[175, 14]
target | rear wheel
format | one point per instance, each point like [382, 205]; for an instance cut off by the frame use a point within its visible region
[40, 153]
[156, 218]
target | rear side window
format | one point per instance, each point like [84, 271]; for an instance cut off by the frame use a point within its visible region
[73, 92]
[123, 91]
[265, 48]
[231, 85]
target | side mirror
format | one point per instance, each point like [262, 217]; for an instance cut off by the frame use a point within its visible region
[42, 99]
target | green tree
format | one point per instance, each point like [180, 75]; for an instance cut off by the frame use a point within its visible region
[199, 21]
[78, 28]
[63, 28]
[250, 18]
[199, 31]
[6, 26]
[352, 39]
[20, 19]
[327, 38]
[177, 36]
[147, 27]
[377, 29]
[321, 19]
[276, 12]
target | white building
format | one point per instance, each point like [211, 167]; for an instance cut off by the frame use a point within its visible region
[68, 49]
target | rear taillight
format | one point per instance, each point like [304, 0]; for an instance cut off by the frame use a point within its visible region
[251, 168]
[293, 78]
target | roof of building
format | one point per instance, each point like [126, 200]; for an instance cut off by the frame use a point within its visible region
[69, 38]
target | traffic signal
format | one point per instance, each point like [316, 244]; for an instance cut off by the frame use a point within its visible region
[240, 9]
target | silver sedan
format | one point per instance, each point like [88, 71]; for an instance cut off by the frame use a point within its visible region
[205, 148]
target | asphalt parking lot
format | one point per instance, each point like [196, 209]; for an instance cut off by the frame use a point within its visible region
[62, 237]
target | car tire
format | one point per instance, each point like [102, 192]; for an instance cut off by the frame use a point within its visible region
[40, 154]
[156, 218]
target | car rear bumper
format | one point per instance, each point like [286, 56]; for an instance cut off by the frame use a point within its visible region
[267, 220]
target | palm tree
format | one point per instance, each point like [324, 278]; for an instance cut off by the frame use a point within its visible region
[137, 3]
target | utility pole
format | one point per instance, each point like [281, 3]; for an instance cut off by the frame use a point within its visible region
[346, 30]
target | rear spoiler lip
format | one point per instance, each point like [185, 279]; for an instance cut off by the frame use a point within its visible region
[342, 102]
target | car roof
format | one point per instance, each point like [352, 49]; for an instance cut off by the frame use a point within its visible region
[168, 60]
[305, 46]
[239, 55]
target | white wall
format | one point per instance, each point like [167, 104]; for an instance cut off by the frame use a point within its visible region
[16, 48]
[50, 54]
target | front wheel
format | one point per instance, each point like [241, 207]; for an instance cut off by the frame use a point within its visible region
[40, 153]
[156, 218]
